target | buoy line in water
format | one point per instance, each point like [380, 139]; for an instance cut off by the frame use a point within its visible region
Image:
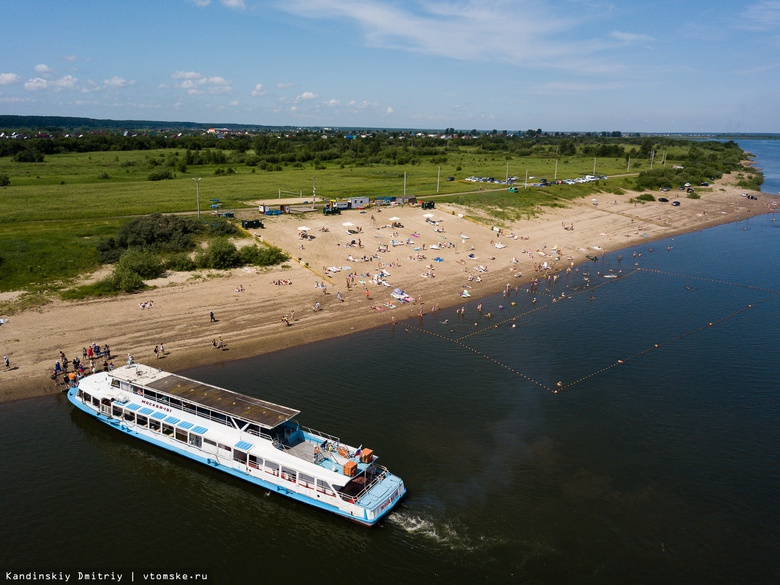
[709, 279]
[655, 346]
[560, 386]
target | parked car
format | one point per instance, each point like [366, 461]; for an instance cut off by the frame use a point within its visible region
[676, 203]
[663, 200]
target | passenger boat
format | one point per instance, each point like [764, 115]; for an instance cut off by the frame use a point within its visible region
[249, 438]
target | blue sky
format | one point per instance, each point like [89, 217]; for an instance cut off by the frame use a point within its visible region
[663, 66]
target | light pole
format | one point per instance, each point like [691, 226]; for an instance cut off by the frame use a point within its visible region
[197, 192]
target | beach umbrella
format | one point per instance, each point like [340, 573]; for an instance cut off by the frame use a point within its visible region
[303, 228]
[347, 224]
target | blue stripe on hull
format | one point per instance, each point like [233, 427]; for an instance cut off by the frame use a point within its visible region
[212, 462]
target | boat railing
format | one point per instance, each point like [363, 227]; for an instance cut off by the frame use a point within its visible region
[383, 473]
[330, 438]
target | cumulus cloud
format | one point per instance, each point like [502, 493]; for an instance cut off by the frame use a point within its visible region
[237, 4]
[258, 90]
[116, 82]
[194, 83]
[307, 95]
[42, 68]
[36, 84]
[284, 85]
[8, 78]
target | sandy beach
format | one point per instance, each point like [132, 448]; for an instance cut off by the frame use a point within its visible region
[432, 255]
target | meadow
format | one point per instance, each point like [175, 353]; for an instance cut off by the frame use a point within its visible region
[54, 212]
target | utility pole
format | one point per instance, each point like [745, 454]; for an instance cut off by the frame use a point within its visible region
[197, 192]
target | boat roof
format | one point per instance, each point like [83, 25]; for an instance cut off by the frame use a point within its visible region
[266, 414]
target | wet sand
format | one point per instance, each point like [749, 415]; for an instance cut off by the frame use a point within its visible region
[249, 321]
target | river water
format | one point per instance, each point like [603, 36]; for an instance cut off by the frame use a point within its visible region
[656, 458]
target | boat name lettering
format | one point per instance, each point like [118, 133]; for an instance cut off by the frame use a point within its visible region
[154, 404]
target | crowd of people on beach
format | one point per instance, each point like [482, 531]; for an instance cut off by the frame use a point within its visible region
[71, 371]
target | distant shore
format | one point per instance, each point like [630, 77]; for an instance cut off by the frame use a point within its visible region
[249, 304]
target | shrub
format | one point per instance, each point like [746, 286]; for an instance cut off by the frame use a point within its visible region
[160, 174]
[645, 197]
[180, 262]
[5, 181]
[220, 253]
[144, 263]
[265, 256]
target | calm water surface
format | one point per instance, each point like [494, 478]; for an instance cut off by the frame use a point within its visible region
[662, 468]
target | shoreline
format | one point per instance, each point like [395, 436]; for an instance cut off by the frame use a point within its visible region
[248, 306]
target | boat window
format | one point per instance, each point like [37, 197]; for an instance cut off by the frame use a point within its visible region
[225, 447]
[154, 425]
[87, 397]
[151, 395]
[129, 415]
[210, 442]
[271, 467]
[114, 383]
[239, 456]
[195, 440]
[138, 390]
[289, 474]
[188, 407]
[117, 411]
[181, 435]
[175, 402]
[95, 401]
[167, 429]
[306, 481]
[324, 488]
[255, 461]
[141, 420]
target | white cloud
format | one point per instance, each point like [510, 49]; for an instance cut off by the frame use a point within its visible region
[8, 78]
[42, 68]
[36, 84]
[234, 103]
[258, 90]
[116, 82]
[625, 37]
[67, 82]
[284, 85]
[471, 30]
[201, 3]
[307, 95]
[237, 4]
[333, 102]
[195, 83]
[761, 16]
[389, 111]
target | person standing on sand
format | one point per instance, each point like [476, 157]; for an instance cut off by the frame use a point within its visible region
[7, 362]
[211, 316]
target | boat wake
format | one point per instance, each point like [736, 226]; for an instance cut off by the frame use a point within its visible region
[443, 534]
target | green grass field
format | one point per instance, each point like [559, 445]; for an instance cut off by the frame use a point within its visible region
[54, 212]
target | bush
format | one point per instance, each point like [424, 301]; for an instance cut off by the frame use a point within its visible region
[221, 253]
[144, 263]
[645, 197]
[159, 232]
[180, 262]
[265, 256]
[5, 181]
[160, 174]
